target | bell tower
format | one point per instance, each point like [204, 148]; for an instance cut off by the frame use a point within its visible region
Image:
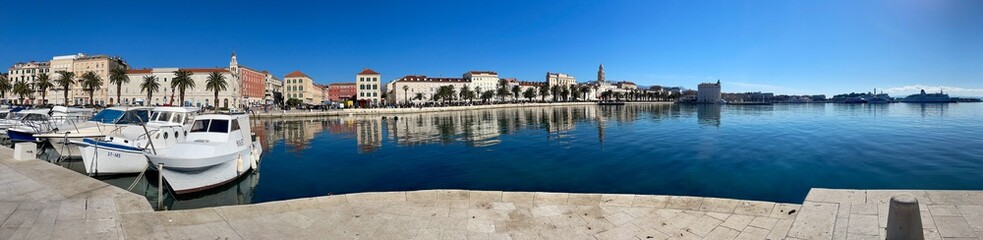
[234, 64]
[600, 74]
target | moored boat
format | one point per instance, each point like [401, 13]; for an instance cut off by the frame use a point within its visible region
[124, 152]
[108, 121]
[35, 122]
[218, 149]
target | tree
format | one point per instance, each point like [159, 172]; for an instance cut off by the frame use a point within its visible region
[487, 95]
[215, 83]
[66, 81]
[5, 86]
[406, 88]
[529, 94]
[502, 92]
[585, 90]
[118, 76]
[574, 92]
[555, 92]
[22, 89]
[419, 96]
[564, 92]
[466, 93]
[292, 102]
[516, 90]
[182, 81]
[150, 85]
[90, 83]
[543, 91]
[43, 83]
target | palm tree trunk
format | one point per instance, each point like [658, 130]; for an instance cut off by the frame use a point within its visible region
[66, 96]
[119, 94]
[147, 102]
[182, 98]
[216, 100]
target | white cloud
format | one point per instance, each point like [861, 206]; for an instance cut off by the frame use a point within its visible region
[952, 91]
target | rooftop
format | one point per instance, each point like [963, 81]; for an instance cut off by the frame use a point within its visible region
[296, 74]
[367, 71]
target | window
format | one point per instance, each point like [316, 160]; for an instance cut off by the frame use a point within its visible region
[199, 126]
[219, 126]
[235, 125]
[375, 87]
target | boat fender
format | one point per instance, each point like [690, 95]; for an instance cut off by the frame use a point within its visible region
[254, 159]
[239, 164]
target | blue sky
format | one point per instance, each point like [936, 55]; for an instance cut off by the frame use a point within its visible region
[796, 47]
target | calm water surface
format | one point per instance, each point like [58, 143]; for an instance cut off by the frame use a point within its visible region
[773, 153]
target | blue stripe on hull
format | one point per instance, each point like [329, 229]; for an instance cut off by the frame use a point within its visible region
[16, 136]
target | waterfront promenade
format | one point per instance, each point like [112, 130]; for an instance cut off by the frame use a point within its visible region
[39, 200]
[380, 111]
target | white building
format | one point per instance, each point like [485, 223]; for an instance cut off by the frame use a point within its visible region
[274, 88]
[486, 80]
[369, 91]
[408, 88]
[197, 96]
[709, 93]
[560, 79]
[28, 72]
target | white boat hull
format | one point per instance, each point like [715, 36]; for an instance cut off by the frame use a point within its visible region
[210, 172]
[107, 161]
[65, 148]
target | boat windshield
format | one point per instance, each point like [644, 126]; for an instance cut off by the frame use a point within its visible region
[211, 125]
[113, 116]
[162, 116]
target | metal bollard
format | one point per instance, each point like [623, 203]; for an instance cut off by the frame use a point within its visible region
[160, 186]
[904, 221]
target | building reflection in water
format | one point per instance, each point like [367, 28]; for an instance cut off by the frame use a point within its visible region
[708, 114]
[479, 128]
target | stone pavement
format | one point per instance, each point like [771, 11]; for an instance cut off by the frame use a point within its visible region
[862, 214]
[39, 200]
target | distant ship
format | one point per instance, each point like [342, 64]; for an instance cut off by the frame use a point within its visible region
[928, 98]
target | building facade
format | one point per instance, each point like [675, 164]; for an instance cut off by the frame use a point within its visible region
[485, 80]
[300, 86]
[419, 88]
[27, 72]
[251, 81]
[369, 87]
[273, 92]
[197, 96]
[708, 92]
[560, 79]
[80, 64]
[339, 92]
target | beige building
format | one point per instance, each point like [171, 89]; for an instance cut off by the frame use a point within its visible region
[198, 96]
[80, 64]
[274, 87]
[369, 91]
[420, 89]
[27, 72]
[300, 86]
[560, 79]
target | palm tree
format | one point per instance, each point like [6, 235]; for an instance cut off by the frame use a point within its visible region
[585, 89]
[575, 93]
[182, 81]
[543, 91]
[150, 85]
[516, 90]
[66, 81]
[487, 95]
[555, 91]
[215, 83]
[43, 83]
[529, 94]
[503, 92]
[564, 92]
[419, 96]
[406, 88]
[22, 89]
[90, 83]
[465, 91]
[118, 76]
[4, 86]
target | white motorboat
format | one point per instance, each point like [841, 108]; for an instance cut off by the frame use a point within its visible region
[34, 122]
[123, 152]
[218, 149]
[108, 121]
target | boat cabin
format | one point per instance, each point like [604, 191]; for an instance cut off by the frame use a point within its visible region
[122, 115]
